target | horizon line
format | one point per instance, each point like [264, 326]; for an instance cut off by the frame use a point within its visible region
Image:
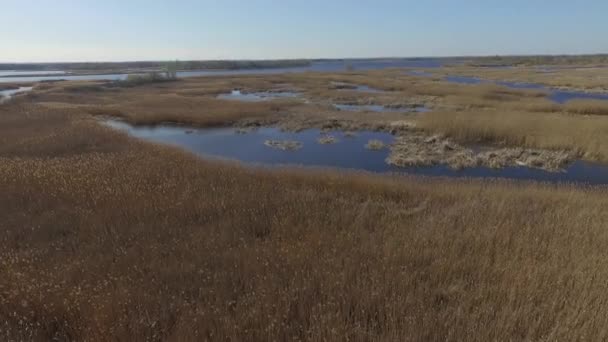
[312, 59]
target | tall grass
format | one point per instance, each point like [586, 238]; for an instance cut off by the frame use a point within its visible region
[107, 238]
[584, 135]
[587, 107]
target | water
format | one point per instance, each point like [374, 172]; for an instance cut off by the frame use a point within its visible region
[561, 96]
[30, 79]
[378, 108]
[463, 79]
[237, 95]
[356, 87]
[7, 94]
[419, 73]
[367, 89]
[521, 85]
[318, 66]
[557, 96]
[6, 73]
[347, 153]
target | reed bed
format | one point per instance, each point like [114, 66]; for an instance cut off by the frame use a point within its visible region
[107, 238]
[584, 135]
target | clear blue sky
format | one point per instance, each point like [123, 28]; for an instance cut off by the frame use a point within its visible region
[114, 30]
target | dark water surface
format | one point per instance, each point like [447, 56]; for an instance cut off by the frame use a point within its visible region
[347, 153]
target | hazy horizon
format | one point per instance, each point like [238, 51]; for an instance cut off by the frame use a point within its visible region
[113, 31]
[293, 59]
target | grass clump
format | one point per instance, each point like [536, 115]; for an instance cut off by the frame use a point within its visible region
[375, 145]
[583, 136]
[327, 140]
[285, 145]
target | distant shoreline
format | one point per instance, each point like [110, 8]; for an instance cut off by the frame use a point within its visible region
[100, 68]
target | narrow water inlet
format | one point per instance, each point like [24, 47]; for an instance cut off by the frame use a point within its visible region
[5, 95]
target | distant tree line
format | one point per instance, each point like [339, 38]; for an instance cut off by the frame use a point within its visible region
[183, 65]
[598, 59]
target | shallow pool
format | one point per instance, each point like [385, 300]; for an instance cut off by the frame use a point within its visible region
[348, 152]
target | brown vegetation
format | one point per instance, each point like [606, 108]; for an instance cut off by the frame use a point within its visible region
[374, 145]
[416, 149]
[327, 140]
[285, 145]
[587, 107]
[483, 113]
[107, 238]
[585, 136]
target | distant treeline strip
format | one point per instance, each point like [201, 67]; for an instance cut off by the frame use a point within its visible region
[183, 65]
[598, 59]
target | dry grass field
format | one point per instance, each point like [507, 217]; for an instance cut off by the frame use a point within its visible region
[106, 238]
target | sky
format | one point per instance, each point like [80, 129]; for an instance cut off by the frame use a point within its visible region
[126, 30]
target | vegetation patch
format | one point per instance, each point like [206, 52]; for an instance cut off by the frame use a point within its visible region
[327, 139]
[416, 149]
[285, 145]
[375, 145]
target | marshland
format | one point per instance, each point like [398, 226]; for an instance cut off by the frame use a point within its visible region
[146, 210]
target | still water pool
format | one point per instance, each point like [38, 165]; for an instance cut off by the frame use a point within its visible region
[348, 152]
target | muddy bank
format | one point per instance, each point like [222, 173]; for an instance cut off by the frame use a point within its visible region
[418, 149]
